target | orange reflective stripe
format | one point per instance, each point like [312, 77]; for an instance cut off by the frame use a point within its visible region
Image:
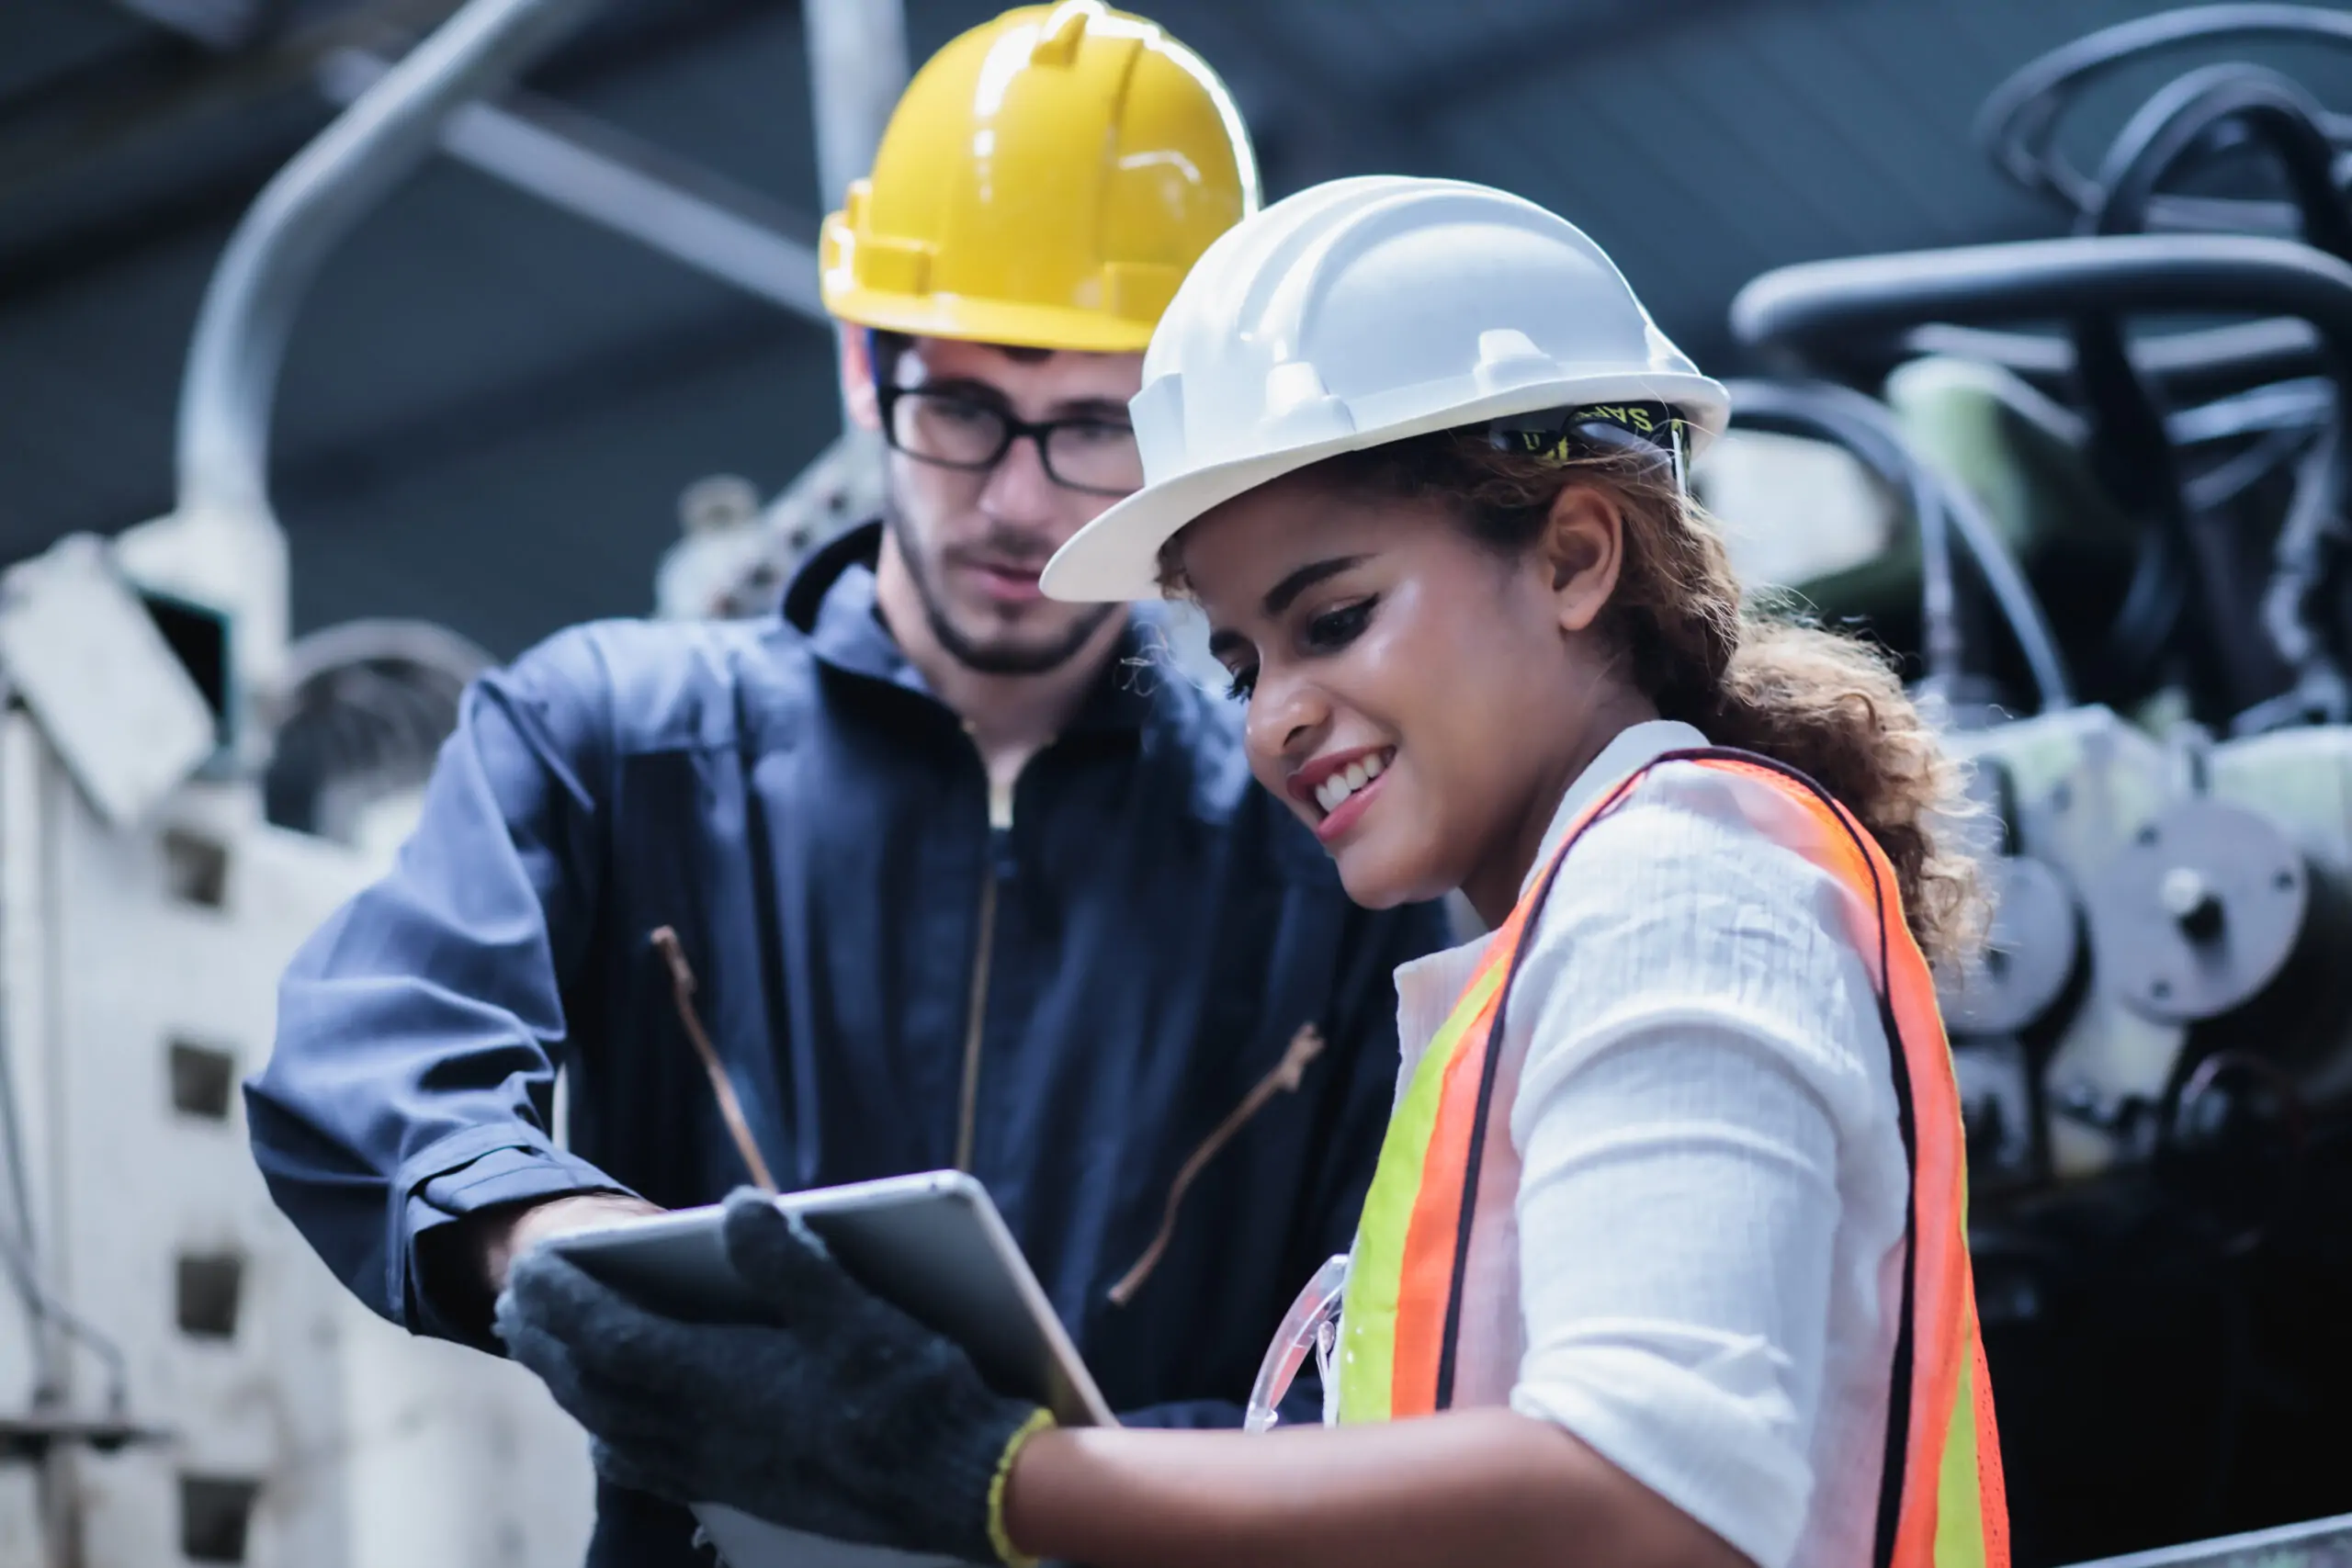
[1401, 1182]
[1944, 1340]
[1951, 1510]
[1434, 1240]
[1991, 1485]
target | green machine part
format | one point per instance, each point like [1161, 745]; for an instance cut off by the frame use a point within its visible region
[2020, 456]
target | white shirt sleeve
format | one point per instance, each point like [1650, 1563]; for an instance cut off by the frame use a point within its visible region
[1706, 1052]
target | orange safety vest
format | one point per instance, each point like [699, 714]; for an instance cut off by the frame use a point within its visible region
[1429, 1313]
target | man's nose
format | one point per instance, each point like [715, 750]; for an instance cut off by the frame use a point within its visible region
[1019, 490]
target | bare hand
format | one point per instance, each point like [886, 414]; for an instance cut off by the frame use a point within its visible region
[506, 1234]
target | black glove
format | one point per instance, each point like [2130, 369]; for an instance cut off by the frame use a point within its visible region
[837, 1413]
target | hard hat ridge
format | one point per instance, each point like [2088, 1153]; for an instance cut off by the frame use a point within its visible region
[1045, 182]
[1362, 311]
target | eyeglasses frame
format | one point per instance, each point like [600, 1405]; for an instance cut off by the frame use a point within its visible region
[887, 397]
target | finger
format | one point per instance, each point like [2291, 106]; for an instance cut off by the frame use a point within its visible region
[548, 1289]
[785, 1264]
[604, 1332]
[613, 1412]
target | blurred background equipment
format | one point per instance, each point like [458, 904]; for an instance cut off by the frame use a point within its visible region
[186, 790]
[2116, 468]
[2046, 317]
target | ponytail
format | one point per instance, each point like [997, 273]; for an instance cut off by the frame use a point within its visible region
[1828, 706]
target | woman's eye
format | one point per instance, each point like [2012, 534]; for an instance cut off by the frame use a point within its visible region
[1243, 682]
[1335, 629]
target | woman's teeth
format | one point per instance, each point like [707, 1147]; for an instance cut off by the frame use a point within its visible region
[1332, 791]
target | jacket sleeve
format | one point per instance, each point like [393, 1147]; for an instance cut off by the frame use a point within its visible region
[418, 1031]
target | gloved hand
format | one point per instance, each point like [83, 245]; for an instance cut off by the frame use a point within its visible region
[837, 1413]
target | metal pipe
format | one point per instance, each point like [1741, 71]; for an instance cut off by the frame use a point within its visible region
[302, 214]
[2019, 122]
[1942, 508]
[2192, 365]
[608, 178]
[1819, 308]
[858, 68]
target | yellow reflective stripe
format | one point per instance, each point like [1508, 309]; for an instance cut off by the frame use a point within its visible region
[1960, 1496]
[1960, 1502]
[1367, 1355]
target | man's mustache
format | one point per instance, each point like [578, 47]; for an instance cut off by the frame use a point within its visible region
[1003, 552]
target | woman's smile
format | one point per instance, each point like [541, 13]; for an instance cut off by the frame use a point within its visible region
[1336, 789]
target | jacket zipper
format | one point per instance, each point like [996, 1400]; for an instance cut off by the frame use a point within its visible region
[1304, 1047]
[975, 1005]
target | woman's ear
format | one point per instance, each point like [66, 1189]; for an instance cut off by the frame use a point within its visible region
[1583, 550]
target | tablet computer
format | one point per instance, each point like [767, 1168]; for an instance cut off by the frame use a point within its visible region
[932, 1244]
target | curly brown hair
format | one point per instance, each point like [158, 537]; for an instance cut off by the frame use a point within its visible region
[1748, 676]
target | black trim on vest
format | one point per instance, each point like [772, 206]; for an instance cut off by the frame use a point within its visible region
[1898, 1393]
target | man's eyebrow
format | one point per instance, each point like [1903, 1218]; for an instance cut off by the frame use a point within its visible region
[1280, 596]
[1110, 410]
[964, 387]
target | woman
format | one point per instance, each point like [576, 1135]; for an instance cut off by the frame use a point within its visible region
[1666, 1235]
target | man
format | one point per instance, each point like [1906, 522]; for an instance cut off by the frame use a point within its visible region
[954, 874]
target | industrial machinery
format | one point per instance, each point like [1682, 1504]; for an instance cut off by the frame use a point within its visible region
[2091, 491]
[185, 792]
[2096, 506]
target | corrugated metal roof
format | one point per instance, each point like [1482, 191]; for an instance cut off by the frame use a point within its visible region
[489, 407]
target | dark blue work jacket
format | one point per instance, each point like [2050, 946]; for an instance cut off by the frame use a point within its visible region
[1110, 974]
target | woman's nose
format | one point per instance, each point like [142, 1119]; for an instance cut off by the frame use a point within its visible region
[1285, 714]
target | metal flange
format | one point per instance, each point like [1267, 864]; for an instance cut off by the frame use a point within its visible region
[2030, 953]
[2200, 914]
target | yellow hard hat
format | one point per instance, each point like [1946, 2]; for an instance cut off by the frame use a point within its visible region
[1046, 181]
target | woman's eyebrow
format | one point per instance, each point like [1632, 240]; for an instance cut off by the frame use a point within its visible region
[1281, 594]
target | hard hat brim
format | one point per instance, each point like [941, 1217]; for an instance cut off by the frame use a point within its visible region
[1116, 557]
[1012, 325]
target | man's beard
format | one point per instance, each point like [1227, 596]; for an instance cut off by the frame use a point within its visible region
[982, 658]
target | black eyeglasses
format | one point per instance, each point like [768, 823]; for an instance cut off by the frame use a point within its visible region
[950, 429]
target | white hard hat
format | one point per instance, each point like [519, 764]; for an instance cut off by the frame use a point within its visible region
[1359, 313]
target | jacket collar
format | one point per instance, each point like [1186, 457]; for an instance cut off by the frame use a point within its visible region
[831, 602]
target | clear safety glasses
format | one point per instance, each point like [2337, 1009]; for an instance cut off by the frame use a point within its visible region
[1310, 1327]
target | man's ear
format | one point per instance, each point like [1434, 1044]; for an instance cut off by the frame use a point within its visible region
[865, 409]
[1583, 548]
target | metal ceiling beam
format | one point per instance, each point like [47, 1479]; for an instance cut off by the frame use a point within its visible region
[670, 359]
[63, 130]
[304, 213]
[620, 183]
[222, 24]
[143, 149]
[1563, 40]
[1349, 126]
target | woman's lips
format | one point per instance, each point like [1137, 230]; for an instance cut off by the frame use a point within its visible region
[1341, 786]
[1341, 820]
